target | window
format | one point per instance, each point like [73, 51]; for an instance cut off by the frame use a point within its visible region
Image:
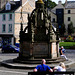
[8, 6]
[10, 16]
[4, 17]
[69, 11]
[3, 28]
[59, 12]
[69, 19]
[10, 28]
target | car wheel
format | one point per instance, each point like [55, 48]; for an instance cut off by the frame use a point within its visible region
[2, 51]
[13, 51]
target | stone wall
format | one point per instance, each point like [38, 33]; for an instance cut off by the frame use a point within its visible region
[53, 50]
[38, 50]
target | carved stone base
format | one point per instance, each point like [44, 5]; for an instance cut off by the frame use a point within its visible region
[38, 50]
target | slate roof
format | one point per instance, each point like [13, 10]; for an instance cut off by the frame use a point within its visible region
[70, 4]
[31, 2]
[14, 6]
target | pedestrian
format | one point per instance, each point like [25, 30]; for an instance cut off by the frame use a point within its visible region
[62, 54]
[60, 68]
[43, 67]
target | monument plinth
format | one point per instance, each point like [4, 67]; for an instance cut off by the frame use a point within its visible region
[41, 40]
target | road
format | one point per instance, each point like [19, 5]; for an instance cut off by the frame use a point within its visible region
[7, 71]
[71, 56]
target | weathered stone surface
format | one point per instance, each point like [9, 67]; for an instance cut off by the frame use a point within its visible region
[41, 39]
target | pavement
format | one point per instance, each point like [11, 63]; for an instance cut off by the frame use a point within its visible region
[11, 64]
[15, 65]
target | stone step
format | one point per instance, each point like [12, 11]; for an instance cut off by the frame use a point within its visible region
[38, 61]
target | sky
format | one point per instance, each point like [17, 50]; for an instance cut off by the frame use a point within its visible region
[56, 1]
[15, 0]
[63, 1]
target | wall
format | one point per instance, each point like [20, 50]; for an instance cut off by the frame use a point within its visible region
[27, 8]
[7, 22]
[72, 15]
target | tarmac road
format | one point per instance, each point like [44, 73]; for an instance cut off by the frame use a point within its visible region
[7, 71]
[71, 56]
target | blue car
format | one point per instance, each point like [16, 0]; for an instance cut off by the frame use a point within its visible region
[10, 48]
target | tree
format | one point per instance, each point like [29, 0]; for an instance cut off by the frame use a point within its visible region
[49, 4]
[70, 28]
[62, 29]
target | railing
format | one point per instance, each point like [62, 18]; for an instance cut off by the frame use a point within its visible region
[51, 73]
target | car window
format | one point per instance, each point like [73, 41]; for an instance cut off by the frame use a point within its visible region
[8, 46]
[13, 46]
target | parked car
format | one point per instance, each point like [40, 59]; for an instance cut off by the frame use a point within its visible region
[10, 48]
[0, 45]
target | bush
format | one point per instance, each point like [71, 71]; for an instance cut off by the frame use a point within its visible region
[69, 39]
[67, 45]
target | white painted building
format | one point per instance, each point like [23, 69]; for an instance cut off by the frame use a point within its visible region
[7, 16]
[68, 14]
[10, 19]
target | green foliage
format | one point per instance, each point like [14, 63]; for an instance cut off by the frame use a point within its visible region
[63, 4]
[70, 28]
[67, 45]
[49, 4]
[74, 29]
[69, 39]
[63, 29]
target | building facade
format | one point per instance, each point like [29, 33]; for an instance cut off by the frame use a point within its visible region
[7, 27]
[7, 16]
[2, 3]
[69, 14]
[26, 8]
[64, 14]
[11, 17]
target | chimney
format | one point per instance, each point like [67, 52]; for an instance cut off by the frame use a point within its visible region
[59, 2]
[21, 2]
[65, 2]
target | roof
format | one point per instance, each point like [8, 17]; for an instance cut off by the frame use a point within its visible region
[14, 6]
[59, 6]
[70, 4]
[31, 4]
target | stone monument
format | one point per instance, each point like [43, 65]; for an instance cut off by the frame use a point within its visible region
[41, 40]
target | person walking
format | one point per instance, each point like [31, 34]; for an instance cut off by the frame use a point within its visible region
[62, 54]
[43, 67]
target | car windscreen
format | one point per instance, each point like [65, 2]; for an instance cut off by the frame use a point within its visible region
[14, 46]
